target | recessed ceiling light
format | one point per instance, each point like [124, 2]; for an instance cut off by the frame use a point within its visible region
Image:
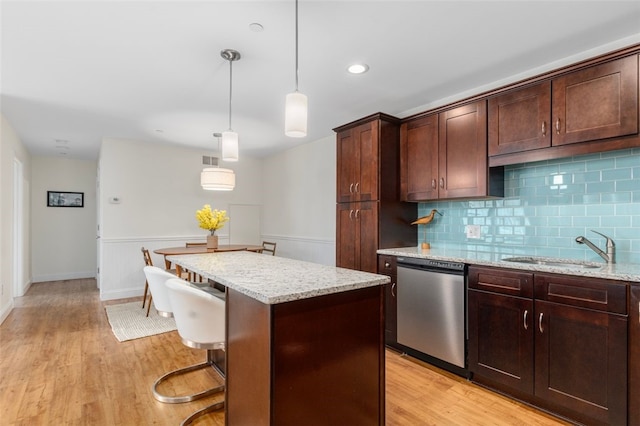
[358, 68]
[256, 28]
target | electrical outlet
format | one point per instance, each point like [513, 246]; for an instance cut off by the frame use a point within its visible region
[473, 231]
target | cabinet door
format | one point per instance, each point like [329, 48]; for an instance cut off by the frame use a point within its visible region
[501, 339]
[348, 153]
[596, 103]
[581, 362]
[419, 159]
[634, 355]
[348, 249]
[387, 266]
[366, 217]
[358, 160]
[367, 184]
[463, 165]
[520, 120]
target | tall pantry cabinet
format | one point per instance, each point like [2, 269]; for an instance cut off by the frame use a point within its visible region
[369, 213]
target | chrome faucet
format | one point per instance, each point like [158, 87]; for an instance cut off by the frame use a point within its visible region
[609, 256]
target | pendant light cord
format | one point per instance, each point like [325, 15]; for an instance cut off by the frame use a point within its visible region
[230, 89]
[296, 45]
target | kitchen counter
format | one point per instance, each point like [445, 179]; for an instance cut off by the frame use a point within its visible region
[490, 256]
[273, 279]
[305, 342]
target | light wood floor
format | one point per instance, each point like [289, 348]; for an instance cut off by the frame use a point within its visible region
[61, 365]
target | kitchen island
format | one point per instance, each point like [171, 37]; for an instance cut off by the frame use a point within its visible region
[305, 342]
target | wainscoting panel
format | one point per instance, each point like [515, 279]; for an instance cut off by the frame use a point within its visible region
[121, 263]
[307, 249]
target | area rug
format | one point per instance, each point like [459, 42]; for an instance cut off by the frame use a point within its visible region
[128, 321]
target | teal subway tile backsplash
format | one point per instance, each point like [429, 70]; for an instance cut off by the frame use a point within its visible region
[548, 204]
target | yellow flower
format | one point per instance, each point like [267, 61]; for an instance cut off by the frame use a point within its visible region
[211, 219]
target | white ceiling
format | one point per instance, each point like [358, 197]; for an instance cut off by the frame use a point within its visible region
[81, 71]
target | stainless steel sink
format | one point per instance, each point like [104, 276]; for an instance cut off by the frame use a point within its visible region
[558, 263]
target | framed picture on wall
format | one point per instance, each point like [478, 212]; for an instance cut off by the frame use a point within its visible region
[65, 199]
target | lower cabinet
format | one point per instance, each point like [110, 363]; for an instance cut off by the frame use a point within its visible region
[387, 266]
[556, 341]
[634, 355]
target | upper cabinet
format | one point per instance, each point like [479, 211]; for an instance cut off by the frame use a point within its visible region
[594, 104]
[358, 163]
[444, 156]
[520, 120]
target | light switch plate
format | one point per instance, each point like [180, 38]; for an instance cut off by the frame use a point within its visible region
[473, 231]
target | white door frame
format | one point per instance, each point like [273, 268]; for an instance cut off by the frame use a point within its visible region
[18, 228]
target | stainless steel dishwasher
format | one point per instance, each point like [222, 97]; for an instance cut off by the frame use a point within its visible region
[432, 309]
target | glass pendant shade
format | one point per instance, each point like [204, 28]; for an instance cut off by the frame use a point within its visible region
[295, 120]
[217, 179]
[229, 146]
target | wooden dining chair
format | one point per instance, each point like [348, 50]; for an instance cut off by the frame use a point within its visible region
[147, 262]
[269, 247]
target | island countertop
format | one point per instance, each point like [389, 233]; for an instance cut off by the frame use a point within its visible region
[274, 279]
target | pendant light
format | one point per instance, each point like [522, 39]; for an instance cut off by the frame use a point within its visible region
[229, 137]
[295, 120]
[216, 178]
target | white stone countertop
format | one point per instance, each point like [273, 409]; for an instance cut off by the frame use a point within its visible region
[489, 256]
[274, 279]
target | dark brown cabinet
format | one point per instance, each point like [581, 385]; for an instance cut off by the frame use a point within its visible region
[358, 159]
[598, 102]
[500, 308]
[564, 348]
[634, 354]
[369, 213]
[387, 266]
[444, 156]
[419, 159]
[520, 120]
[357, 225]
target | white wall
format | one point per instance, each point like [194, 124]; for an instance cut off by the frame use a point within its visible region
[159, 189]
[299, 213]
[11, 148]
[63, 238]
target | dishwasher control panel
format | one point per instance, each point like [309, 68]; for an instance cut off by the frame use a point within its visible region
[431, 263]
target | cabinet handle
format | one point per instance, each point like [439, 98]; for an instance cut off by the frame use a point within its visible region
[524, 319]
[540, 323]
[357, 185]
[544, 128]
[357, 213]
[351, 188]
[558, 126]
[387, 264]
[433, 184]
[441, 182]
[351, 214]
[393, 288]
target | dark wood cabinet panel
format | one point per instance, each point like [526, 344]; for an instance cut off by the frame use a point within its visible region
[596, 103]
[445, 156]
[501, 339]
[358, 235]
[387, 265]
[419, 159]
[369, 214]
[634, 354]
[462, 152]
[358, 163]
[520, 120]
[503, 281]
[562, 348]
[581, 362]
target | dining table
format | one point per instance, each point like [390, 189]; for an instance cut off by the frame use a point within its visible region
[202, 249]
